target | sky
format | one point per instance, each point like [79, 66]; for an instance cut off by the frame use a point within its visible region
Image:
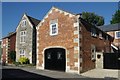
[12, 12]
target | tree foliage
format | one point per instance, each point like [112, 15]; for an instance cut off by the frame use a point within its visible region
[93, 18]
[116, 17]
[12, 56]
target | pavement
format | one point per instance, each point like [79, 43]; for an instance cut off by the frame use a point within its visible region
[32, 72]
[102, 73]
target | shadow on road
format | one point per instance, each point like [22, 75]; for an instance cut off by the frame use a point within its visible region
[16, 74]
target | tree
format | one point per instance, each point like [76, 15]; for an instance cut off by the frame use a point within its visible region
[93, 18]
[12, 56]
[116, 17]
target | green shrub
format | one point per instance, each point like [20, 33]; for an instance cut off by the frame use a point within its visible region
[23, 60]
[16, 63]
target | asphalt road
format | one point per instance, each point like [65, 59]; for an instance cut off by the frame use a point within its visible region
[21, 74]
[10, 74]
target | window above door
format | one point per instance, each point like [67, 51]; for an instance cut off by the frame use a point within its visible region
[54, 27]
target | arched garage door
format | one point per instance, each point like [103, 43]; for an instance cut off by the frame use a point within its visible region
[55, 59]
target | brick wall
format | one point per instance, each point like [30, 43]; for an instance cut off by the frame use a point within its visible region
[11, 44]
[115, 41]
[4, 50]
[64, 39]
[78, 52]
[12, 41]
[102, 45]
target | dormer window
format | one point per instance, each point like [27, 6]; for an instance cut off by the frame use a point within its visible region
[93, 32]
[117, 35]
[23, 23]
[53, 28]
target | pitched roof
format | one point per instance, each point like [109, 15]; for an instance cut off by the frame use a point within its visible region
[57, 9]
[34, 21]
[110, 27]
[12, 33]
[84, 22]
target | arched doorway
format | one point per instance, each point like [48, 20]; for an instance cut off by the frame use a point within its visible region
[55, 59]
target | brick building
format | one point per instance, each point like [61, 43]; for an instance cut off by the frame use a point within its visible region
[8, 45]
[114, 31]
[4, 50]
[68, 43]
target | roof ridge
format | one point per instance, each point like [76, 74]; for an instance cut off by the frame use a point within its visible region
[33, 20]
[63, 10]
[32, 17]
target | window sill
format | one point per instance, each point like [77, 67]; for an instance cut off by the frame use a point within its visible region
[22, 42]
[53, 34]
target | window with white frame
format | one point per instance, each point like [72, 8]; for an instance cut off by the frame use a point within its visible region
[53, 27]
[23, 23]
[93, 32]
[117, 35]
[22, 52]
[93, 52]
[22, 36]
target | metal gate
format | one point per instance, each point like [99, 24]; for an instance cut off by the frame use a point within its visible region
[55, 59]
[111, 60]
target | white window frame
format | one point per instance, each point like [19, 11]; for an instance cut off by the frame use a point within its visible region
[51, 29]
[22, 36]
[22, 52]
[93, 32]
[116, 37]
[23, 23]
